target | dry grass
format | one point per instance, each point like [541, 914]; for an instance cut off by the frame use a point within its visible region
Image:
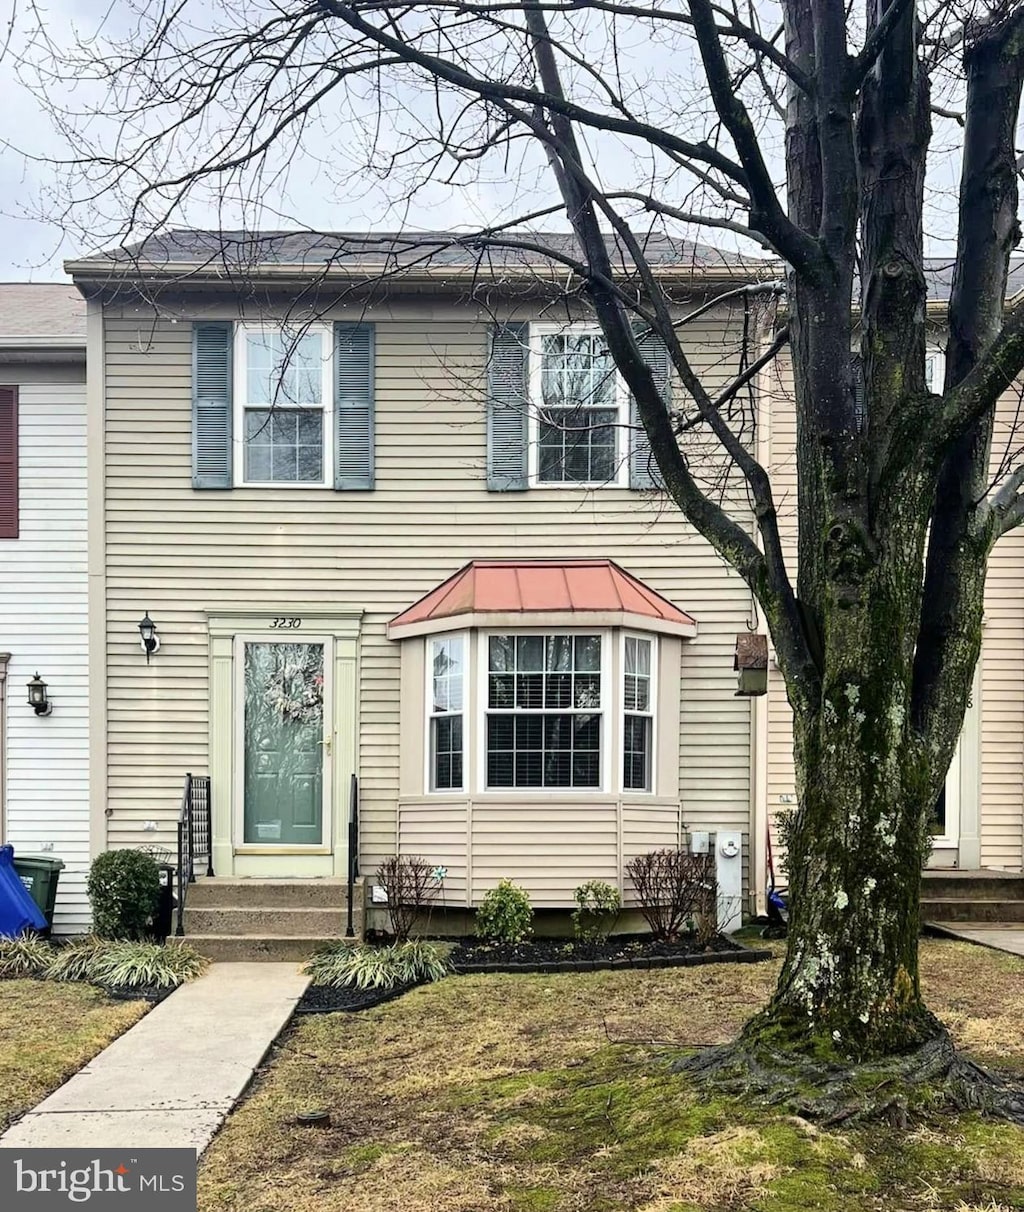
[47, 1032]
[552, 1094]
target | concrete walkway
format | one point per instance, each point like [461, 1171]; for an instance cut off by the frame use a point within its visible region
[1001, 936]
[170, 1080]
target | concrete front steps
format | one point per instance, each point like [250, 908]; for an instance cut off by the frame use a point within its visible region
[972, 896]
[239, 920]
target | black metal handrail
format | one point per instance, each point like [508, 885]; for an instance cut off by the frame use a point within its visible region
[195, 838]
[353, 852]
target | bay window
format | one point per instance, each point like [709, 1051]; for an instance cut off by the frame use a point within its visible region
[550, 711]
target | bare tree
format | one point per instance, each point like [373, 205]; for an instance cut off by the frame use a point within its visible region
[806, 131]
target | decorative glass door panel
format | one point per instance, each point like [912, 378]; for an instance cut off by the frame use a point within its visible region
[284, 743]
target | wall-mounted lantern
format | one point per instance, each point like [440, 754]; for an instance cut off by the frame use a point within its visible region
[148, 637]
[751, 663]
[37, 699]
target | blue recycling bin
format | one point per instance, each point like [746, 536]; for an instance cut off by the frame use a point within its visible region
[18, 911]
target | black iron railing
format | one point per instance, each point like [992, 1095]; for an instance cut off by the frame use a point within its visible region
[353, 852]
[195, 838]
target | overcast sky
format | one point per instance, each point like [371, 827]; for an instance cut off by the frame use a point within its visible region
[322, 190]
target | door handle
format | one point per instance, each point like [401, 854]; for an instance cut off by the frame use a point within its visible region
[326, 742]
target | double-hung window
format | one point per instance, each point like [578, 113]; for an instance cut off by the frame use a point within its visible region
[638, 714]
[544, 711]
[580, 407]
[283, 405]
[446, 686]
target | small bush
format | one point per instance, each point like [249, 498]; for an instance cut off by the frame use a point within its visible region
[505, 914]
[674, 889]
[124, 888]
[597, 910]
[360, 967]
[412, 884]
[24, 956]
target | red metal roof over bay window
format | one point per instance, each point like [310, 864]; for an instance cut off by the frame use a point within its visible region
[499, 592]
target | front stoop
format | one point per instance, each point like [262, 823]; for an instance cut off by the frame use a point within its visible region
[236, 919]
[972, 896]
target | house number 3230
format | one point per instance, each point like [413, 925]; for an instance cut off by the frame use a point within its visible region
[285, 624]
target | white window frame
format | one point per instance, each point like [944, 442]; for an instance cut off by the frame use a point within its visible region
[538, 330]
[430, 715]
[651, 713]
[240, 404]
[609, 704]
[938, 357]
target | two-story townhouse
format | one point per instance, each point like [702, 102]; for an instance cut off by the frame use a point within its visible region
[979, 817]
[368, 555]
[44, 749]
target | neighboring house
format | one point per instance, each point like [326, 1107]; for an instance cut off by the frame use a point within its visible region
[365, 555]
[44, 759]
[979, 818]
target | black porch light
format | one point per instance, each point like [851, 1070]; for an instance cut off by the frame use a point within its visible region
[37, 699]
[148, 636]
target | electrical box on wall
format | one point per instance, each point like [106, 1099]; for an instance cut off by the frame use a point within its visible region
[700, 841]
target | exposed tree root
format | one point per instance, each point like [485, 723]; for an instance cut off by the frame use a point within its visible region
[931, 1076]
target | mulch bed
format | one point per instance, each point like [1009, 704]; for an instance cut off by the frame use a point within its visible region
[544, 955]
[617, 951]
[326, 999]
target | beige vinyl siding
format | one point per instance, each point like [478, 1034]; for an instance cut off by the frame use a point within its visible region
[1001, 811]
[178, 553]
[43, 588]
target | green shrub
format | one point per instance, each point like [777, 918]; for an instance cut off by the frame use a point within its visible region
[26, 955]
[597, 909]
[124, 888]
[360, 967]
[505, 914]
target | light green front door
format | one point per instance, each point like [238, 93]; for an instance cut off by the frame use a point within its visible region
[285, 704]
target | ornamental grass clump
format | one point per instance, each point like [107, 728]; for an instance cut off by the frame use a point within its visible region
[127, 965]
[505, 914]
[130, 965]
[357, 966]
[25, 956]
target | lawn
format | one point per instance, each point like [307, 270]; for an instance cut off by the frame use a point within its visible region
[552, 1094]
[47, 1032]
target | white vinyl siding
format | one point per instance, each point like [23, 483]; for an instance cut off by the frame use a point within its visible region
[43, 625]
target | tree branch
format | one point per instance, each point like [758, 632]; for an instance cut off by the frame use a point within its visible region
[799, 248]
[874, 44]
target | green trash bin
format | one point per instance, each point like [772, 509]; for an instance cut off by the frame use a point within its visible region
[40, 875]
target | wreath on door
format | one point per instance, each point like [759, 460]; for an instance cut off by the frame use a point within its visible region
[295, 690]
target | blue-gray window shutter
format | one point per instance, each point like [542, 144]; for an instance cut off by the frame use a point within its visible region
[507, 407]
[643, 470]
[211, 404]
[353, 407]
